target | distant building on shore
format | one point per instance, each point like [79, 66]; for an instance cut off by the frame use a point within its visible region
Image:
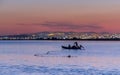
[62, 36]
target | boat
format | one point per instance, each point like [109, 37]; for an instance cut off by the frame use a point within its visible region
[76, 48]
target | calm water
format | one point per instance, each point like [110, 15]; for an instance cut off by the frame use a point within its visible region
[98, 58]
[92, 48]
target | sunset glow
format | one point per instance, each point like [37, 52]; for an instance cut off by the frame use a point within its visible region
[29, 16]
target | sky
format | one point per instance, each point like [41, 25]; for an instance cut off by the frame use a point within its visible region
[30, 16]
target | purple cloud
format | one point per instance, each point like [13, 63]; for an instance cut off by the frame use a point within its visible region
[64, 25]
[60, 25]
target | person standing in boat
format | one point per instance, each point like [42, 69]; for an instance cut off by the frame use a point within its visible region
[76, 44]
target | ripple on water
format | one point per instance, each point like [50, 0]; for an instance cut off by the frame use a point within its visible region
[58, 70]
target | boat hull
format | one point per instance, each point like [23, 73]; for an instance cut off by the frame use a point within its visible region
[75, 48]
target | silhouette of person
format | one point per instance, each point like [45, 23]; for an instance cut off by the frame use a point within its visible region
[76, 44]
[69, 46]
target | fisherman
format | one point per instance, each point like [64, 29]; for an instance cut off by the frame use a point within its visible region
[76, 44]
[69, 46]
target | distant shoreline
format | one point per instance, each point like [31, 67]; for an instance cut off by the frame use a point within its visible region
[67, 39]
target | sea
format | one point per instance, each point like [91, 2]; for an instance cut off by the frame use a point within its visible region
[37, 57]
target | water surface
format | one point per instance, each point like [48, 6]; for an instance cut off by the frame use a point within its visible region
[98, 58]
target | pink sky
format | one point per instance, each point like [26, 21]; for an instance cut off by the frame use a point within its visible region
[28, 16]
